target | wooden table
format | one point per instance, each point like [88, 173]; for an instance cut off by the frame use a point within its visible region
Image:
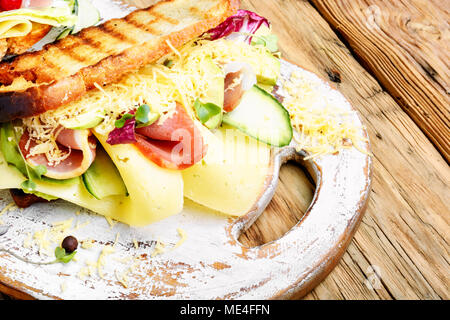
[390, 59]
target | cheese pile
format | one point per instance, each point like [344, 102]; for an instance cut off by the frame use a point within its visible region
[157, 85]
[322, 131]
[323, 127]
[44, 134]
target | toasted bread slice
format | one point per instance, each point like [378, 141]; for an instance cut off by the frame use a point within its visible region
[19, 45]
[3, 47]
[65, 70]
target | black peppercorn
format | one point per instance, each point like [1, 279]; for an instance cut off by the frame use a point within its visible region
[70, 244]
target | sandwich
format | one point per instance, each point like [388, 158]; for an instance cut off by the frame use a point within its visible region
[24, 23]
[130, 117]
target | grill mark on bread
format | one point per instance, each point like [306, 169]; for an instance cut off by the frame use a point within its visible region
[76, 56]
[107, 66]
[195, 11]
[116, 33]
[45, 76]
[9, 71]
[70, 52]
[100, 40]
[93, 43]
[145, 27]
[165, 18]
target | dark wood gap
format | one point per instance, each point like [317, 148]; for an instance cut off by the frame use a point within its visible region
[292, 198]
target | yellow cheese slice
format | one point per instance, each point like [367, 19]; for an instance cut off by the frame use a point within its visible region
[230, 179]
[14, 27]
[232, 176]
[154, 193]
[17, 23]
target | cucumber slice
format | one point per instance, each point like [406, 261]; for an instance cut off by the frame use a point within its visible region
[64, 33]
[102, 179]
[262, 117]
[84, 121]
[88, 15]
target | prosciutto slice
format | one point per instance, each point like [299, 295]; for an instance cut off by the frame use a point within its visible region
[174, 144]
[239, 77]
[79, 144]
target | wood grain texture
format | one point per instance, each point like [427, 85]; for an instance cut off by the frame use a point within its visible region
[404, 234]
[406, 45]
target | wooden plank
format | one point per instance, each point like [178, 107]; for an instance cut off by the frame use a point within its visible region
[405, 44]
[292, 198]
[404, 233]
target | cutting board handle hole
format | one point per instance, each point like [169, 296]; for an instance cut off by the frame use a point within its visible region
[293, 196]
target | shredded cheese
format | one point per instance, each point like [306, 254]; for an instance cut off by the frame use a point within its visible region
[122, 277]
[111, 222]
[46, 237]
[87, 244]
[135, 243]
[107, 250]
[159, 249]
[27, 242]
[7, 208]
[323, 128]
[44, 133]
[158, 86]
[183, 237]
[173, 48]
[322, 131]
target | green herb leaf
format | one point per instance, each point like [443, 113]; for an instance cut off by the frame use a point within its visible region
[152, 117]
[59, 252]
[68, 257]
[270, 41]
[142, 113]
[145, 117]
[40, 171]
[206, 111]
[121, 122]
[28, 185]
[62, 256]
[41, 195]
[10, 148]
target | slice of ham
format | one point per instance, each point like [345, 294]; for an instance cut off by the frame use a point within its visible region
[174, 144]
[79, 143]
[239, 77]
[233, 91]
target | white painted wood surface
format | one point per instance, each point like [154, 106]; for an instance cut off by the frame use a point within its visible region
[211, 263]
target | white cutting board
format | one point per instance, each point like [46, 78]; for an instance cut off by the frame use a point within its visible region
[210, 263]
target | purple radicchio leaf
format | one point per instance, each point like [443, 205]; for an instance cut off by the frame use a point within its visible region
[243, 21]
[124, 135]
